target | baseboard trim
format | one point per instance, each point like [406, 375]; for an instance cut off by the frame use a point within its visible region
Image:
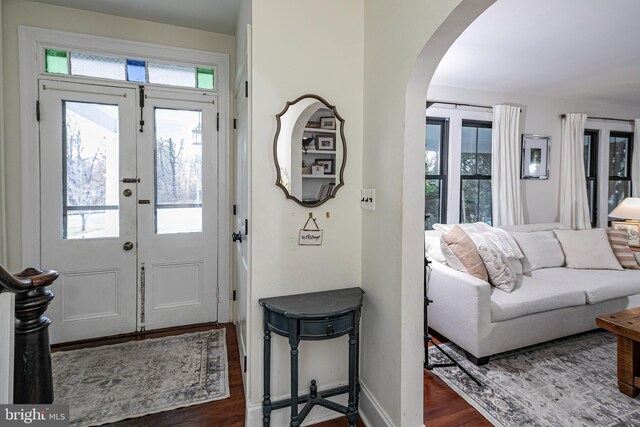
[371, 411]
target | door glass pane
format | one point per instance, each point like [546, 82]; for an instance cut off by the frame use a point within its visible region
[432, 149]
[432, 202]
[105, 67]
[91, 170]
[618, 190]
[56, 61]
[178, 167]
[169, 74]
[205, 78]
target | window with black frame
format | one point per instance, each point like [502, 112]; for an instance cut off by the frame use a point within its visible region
[591, 172]
[620, 151]
[475, 172]
[435, 171]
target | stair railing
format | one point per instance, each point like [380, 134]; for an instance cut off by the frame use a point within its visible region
[32, 376]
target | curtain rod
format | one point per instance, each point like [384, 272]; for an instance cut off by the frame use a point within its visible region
[562, 116]
[460, 104]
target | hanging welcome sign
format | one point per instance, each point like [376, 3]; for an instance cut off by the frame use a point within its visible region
[310, 236]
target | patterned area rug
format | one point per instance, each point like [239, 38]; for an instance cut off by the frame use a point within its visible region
[567, 382]
[110, 383]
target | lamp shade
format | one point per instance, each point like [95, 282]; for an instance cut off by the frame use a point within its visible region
[628, 209]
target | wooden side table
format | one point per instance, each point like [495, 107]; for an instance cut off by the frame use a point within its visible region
[313, 316]
[626, 325]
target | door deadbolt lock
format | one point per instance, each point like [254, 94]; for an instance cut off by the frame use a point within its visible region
[127, 192]
[127, 246]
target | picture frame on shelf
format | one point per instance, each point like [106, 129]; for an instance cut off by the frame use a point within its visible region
[313, 125]
[325, 142]
[535, 156]
[328, 165]
[328, 123]
[632, 229]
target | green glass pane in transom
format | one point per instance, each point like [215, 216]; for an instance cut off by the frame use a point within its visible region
[205, 78]
[56, 61]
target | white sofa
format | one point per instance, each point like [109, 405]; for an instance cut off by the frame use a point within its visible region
[546, 304]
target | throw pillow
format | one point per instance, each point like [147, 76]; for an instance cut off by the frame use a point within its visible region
[589, 249]
[541, 249]
[460, 253]
[501, 275]
[432, 249]
[622, 251]
[500, 238]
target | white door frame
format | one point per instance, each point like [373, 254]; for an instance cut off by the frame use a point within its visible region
[31, 55]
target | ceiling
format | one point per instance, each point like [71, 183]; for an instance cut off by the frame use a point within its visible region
[210, 15]
[584, 49]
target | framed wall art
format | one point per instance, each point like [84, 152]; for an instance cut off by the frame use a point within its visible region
[535, 156]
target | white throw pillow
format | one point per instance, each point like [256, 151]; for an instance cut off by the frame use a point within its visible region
[541, 249]
[432, 249]
[500, 238]
[501, 275]
[588, 249]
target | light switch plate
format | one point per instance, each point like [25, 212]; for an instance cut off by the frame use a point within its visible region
[368, 199]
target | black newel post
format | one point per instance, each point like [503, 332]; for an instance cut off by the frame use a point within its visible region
[32, 380]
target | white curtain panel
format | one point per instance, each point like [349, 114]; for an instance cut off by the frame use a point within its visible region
[505, 166]
[574, 205]
[635, 161]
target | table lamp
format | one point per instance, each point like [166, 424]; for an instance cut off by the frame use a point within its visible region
[629, 210]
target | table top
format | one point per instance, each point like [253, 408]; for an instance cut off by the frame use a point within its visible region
[625, 323]
[315, 304]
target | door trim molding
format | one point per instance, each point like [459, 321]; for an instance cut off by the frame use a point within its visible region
[31, 42]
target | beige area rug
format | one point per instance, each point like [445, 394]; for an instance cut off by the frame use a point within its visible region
[570, 382]
[114, 382]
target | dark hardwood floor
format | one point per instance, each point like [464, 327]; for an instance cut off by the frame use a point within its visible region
[442, 406]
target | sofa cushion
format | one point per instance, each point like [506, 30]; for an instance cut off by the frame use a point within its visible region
[460, 253]
[598, 285]
[587, 249]
[541, 249]
[620, 246]
[531, 296]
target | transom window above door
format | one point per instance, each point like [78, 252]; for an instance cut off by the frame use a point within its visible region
[136, 70]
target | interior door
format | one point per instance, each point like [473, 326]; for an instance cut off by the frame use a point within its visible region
[177, 209]
[241, 233]
[88, 221]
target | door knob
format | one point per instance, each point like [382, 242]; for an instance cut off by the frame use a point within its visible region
[127, 192]
[236, 237]
[127, 246]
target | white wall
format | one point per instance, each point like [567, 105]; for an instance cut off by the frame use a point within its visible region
[540, 115]
[7, 309]
[300, 47]
[18, 12]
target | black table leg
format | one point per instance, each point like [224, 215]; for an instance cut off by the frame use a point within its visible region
[293, 343]
[266, 402]
[356, 328]
[352, 411]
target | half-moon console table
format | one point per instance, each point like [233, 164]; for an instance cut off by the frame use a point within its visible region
[313, 316]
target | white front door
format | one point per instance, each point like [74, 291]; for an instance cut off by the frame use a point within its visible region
[177, 228]
[87, 145]
[128, 216]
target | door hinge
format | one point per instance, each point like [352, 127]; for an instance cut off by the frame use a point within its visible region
[246, 88]
[234, 123]
[141, 89]
[234, 209]
[246, 227]
[218, 121]
[234, 295]
[38, 110]
[245, 364]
